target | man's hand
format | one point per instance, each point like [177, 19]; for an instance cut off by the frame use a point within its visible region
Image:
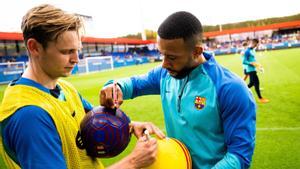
[107, 94]
[261, 69]
[138, 129]
[143, 155]
[256, 64]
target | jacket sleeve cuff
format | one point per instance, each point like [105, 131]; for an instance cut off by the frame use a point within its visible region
[125, 85]
[230, 161]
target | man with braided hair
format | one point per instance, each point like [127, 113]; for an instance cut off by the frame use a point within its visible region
[40, 114]
[205, 106]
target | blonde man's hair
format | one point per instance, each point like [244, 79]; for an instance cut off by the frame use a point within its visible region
[45, 23]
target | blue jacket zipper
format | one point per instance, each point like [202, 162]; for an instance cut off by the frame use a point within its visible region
[180, 94]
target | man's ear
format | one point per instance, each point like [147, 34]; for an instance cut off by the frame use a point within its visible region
[198, 50]
[33, 47]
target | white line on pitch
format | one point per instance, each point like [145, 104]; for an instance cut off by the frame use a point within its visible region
[279, 129]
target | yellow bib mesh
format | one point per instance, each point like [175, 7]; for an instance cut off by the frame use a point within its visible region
[60, 111]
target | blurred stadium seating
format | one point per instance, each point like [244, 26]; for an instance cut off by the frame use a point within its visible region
[127, 52]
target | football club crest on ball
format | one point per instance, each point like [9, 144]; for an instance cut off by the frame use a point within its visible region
[200, 102]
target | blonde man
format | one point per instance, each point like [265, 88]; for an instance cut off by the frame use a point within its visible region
[40, 114]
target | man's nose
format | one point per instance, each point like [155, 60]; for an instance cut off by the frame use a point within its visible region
[165, 63]
[75, 57]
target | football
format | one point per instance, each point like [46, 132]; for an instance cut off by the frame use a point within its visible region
[171, 153]
[104, 132]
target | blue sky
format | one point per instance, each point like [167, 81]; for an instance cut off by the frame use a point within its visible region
[112, 18]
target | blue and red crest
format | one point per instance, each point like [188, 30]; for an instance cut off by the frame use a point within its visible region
[200, 102]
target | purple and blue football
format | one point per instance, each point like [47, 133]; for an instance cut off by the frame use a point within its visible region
[104, 132]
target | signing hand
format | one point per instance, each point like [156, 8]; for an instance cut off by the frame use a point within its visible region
[143, 155]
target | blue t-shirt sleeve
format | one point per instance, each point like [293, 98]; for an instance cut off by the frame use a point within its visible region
[31, 137]
[238, 112]
[86, 105]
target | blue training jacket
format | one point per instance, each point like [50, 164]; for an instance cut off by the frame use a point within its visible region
[249, 57]
[211, 111]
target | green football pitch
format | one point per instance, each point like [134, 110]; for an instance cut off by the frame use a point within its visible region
[278, 122]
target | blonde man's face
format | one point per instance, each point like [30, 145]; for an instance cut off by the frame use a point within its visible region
[60, 57]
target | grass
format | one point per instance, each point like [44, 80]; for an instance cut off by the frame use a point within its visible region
[278, 122]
